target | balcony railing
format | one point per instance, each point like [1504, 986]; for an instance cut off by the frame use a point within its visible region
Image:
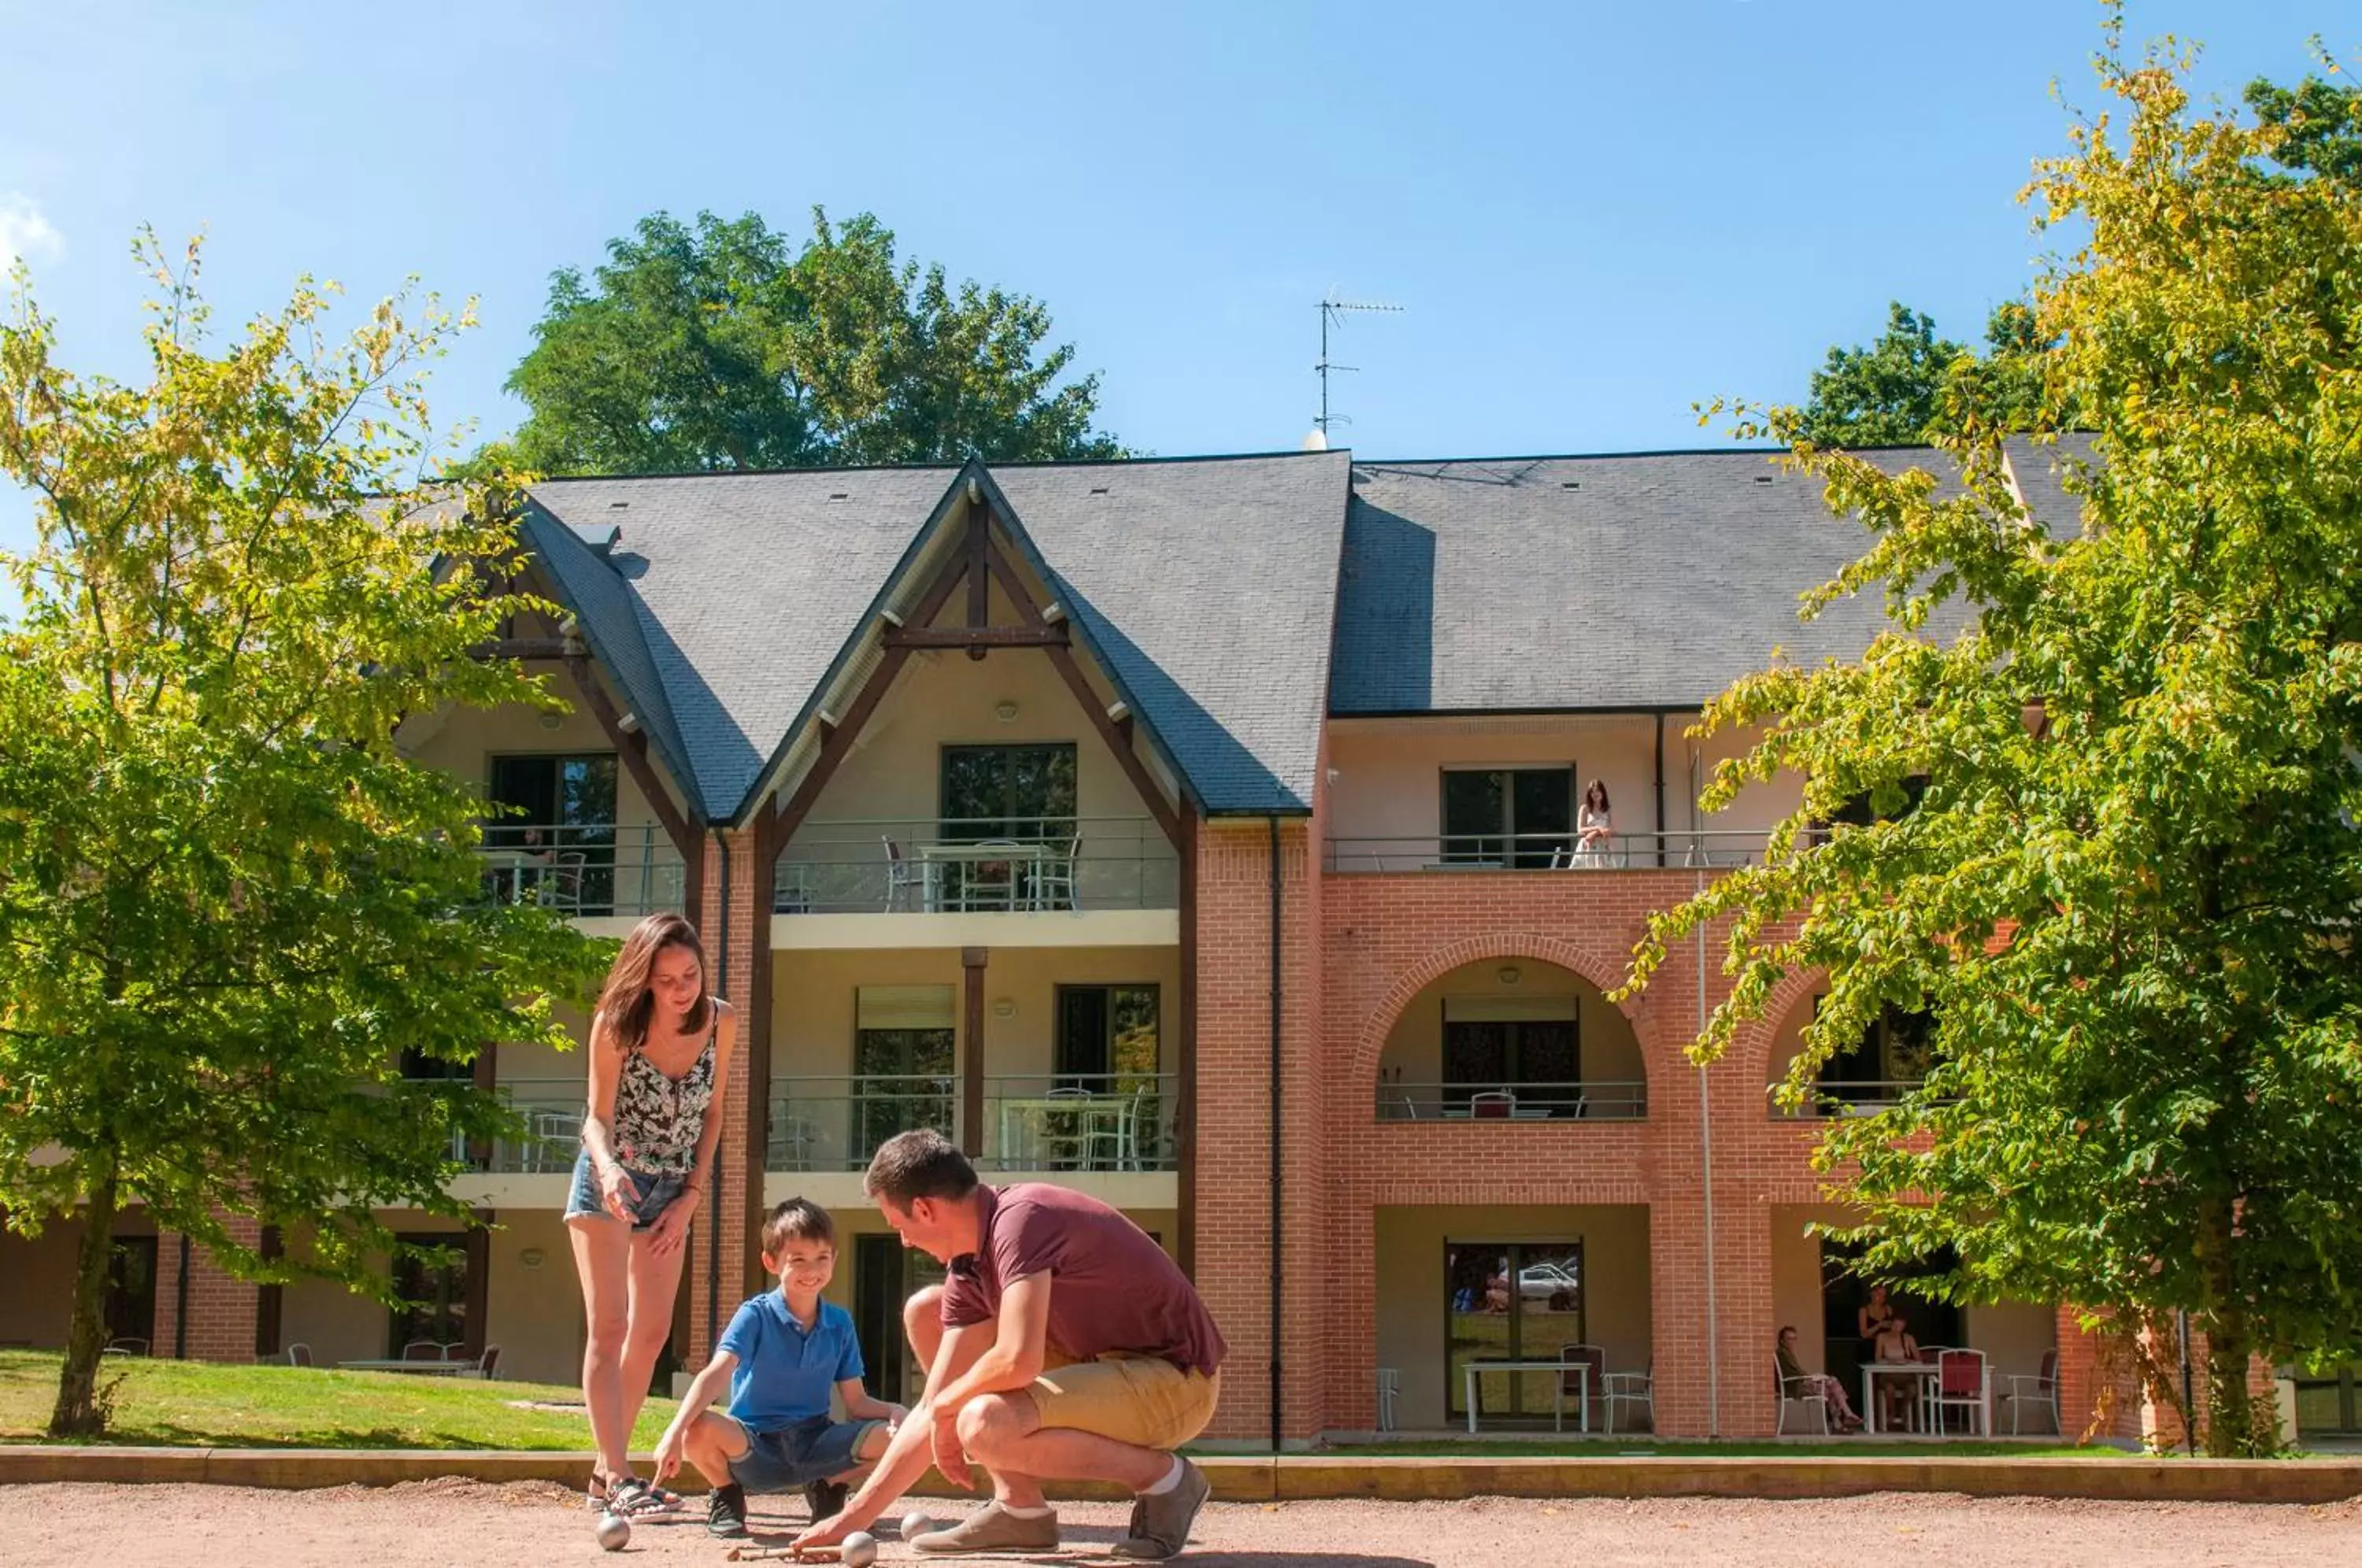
[931, 865]
[551, 1111]
[1843, 1097]
[1039, 1121]
[1593, 1099]
[582, 871]
[1710, 849]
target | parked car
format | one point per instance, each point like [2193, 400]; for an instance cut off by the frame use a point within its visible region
[1540, 1281]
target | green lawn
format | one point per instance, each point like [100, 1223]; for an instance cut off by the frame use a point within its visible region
[190, 1404]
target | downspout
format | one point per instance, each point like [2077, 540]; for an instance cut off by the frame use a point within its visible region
[713, 1254]
[1705, 1145]
[180, 1309]
[1275, 1169]
[1661, 789]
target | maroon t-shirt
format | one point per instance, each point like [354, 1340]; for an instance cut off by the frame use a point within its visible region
[1111, 1287]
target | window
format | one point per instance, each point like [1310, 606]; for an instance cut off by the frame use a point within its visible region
[886, 1273]
[903, 1052]
[1024, 792]
[1106, 1033]
[432, 1281]
[1529, 1047]
[1511, 1301]
[1894, 1054]
[1521, 817]
[565, 836]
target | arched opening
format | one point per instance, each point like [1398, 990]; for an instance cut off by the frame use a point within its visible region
[1892, 1057]
[1514, 1038]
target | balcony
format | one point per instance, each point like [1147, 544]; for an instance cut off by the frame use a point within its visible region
[1593, 1099]
[585, 871]
[1106, 1123]
[1842, 1097]
[1702, 849]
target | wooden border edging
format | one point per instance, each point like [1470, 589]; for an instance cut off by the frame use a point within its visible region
[1306, 1476]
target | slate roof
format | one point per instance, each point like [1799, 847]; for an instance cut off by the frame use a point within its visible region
[2040, 470]
[743, 592]
[1600, 582]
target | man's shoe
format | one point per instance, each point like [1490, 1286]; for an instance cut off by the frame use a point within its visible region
[725, 1511]
[1161, 1521]
[993, 1529]
[826, 1498]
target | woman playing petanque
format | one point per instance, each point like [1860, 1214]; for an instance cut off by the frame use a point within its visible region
[659, 1055]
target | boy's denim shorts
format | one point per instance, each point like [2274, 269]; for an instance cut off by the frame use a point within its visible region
[652, 1194]
[785, 1458]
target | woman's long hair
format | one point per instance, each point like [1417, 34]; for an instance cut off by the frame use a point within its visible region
[1599, 787]
[627, 1002]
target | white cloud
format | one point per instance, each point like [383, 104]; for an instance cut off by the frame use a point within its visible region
[23, 232]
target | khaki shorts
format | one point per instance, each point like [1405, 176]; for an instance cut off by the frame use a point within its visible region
[1144, 1400]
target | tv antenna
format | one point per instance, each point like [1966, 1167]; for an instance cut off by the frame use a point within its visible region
[1332, 312]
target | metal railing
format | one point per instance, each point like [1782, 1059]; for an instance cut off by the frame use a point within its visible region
[1688, 849]
[579, 869]
[1593, 1099]
[935, 865]
[551, 1111]
[1842, 1097]
[1034, 1121]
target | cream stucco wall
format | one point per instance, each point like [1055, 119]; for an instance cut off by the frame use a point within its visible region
[534, 1308]
[36, 1303]
[1410, 1267]
[1608, 1051]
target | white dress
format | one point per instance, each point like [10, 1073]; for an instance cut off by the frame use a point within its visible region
[1592, 853]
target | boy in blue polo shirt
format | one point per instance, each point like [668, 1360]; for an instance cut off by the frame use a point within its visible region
[782, 1354]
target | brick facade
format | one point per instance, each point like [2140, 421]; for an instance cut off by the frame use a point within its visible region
[222, 1310]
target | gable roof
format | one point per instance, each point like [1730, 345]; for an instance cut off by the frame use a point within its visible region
[750, 592]
[1652, 579]
[2042, 470]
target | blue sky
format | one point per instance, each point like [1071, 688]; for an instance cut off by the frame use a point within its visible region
[1595, 214]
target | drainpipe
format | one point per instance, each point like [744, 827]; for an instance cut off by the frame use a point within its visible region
[180, 1311]
[1661, 789]
[714, 1255]
[1706, 1147]
[1276, 1170]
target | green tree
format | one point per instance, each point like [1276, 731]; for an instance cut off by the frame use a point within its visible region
[2128, 889]
[228, 903]
[2320, 125]
[714, 347]
[1895, 392]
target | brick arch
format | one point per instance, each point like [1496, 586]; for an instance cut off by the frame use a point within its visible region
[1602, 974]
[1750, 1047]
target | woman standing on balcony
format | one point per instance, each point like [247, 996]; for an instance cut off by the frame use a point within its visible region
[659, 1055]
[1595, 827]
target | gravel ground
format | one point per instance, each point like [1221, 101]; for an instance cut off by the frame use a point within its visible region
[457, 1521]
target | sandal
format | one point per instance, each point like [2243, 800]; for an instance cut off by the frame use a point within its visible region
[634, 1498]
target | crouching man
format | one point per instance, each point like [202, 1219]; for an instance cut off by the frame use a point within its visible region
[1066, 1345]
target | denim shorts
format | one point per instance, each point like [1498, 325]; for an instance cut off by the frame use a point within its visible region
[787, 1457]
[650, 1193]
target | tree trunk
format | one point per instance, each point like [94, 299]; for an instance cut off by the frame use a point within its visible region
[78, 1413]
[2230, 1411]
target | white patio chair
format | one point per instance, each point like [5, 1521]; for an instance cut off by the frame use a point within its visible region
[1618, 1389]
[1052, 880]
[1959, 1384]
[2041, 1391]
[559, 887]
[1800, 1398]
[1389, 1391]
[899, 879]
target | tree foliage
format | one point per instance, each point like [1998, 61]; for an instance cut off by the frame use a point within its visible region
[227, 904]
[2128, 890]
[1897, 390]
[716, 346]
[2320, 125]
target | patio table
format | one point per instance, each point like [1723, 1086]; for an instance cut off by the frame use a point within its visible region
[418, 1368]
[1473, 1369]
[1093, 1115]
[1873, 1370]
[1021, 858]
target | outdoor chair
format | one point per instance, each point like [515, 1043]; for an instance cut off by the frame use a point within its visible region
[1800, 1398]
[899, 879]
[1493, 1105]
[422, 1350]
[299, 1354]
[130, 1344]
[1389, 1391]
[1591, 1387]
[488, 1361]
[1053, 881]
[1961, 1385]
[1618, 1389]
[560, 886]
[1112, 1142]
[2041, 1391]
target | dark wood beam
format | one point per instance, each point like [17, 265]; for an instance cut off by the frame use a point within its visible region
[791, 811]
[632, 747]
[977, 638]
[972, 962]
[1011, 584]
[979, 581]
[522, 647]
[1134, 770]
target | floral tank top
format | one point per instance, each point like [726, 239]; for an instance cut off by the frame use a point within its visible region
[658, 1121]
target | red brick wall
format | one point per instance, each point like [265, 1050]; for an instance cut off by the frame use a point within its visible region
[732, 930]
[221, 1309]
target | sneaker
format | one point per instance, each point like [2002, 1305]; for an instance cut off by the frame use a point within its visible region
[1161, 1521]
[993, 1529]
[725, 1511]
[826, 1498]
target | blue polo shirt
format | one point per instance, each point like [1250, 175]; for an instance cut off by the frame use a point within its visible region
[785, 1372]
